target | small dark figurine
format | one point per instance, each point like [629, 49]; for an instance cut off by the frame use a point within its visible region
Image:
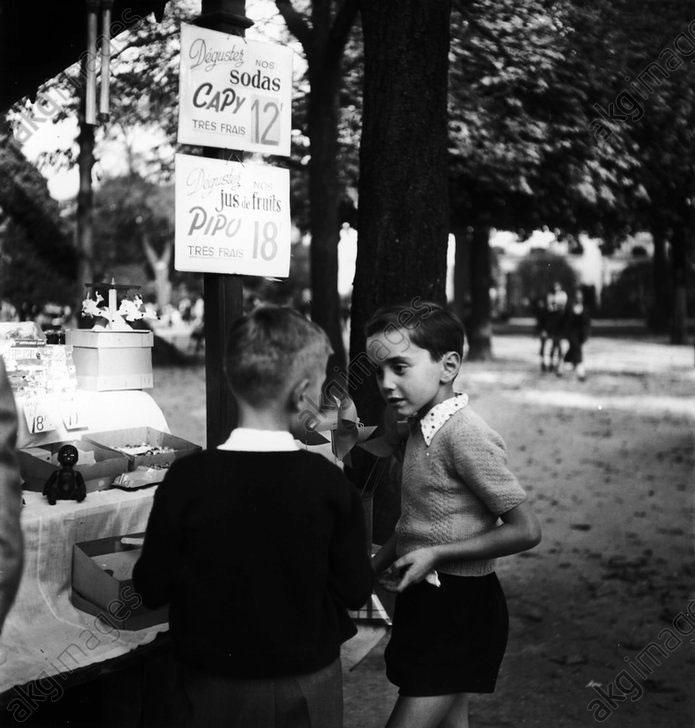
[65, 483]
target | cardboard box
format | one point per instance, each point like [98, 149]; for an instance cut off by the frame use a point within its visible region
[36, 467]
[177, 447]
[109, 339]
[112, 360]
[110, 369]
[102, 583]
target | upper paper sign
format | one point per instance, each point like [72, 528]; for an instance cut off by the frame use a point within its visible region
[234, 93]
[231, 217]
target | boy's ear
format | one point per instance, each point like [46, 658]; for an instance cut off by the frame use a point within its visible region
[296, 396]
[451, 363]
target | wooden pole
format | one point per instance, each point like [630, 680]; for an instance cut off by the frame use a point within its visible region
[222, 294]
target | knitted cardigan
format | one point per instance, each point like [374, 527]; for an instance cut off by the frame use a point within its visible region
[455, 488]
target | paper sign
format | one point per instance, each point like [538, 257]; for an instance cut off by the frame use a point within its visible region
[234, 93]
[72, 415]
[39, 416]
[232, 217]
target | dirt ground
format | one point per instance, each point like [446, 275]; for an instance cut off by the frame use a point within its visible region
[599, 611]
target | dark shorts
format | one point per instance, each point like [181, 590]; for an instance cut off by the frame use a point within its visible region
[314, 700]
[448, 639]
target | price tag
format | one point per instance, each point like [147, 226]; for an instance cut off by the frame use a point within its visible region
[265, 120]
[72, 415]
[39, 417]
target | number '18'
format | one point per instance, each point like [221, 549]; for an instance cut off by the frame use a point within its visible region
[267, 246]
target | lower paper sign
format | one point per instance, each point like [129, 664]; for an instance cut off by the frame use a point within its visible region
[232, 217]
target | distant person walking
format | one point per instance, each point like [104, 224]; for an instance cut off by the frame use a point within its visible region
[540, 309]
[556, 304]
[576, 324]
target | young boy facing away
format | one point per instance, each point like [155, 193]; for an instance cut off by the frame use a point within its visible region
[450, 621]
[259, 547]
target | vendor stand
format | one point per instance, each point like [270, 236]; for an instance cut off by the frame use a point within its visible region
[68, 625]
[53, 636]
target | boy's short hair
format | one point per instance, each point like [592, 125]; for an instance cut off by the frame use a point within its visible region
[269, 350]
[429, 326]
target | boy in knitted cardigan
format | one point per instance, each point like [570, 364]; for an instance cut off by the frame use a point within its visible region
[461, 508]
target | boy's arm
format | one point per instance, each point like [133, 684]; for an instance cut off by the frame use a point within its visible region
[155, 572]
[351, 577]
[520, 530]
[385, 556]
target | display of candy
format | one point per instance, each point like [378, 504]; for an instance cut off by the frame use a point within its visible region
[35, 371]
[144, 449]
[141, 477]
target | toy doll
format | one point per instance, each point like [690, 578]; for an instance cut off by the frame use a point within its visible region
[65, 482]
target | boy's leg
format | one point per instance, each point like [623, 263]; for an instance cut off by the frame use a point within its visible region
[544, 341]
[457, 717]
[555, 354]
[420, 712]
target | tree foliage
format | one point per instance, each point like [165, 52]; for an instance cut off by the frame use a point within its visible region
[550, 122]
[656, 95]
[129, 214]
[37, 258]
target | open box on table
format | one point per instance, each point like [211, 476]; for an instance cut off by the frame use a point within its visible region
[38, 462]
[102, 583]
[145, 446]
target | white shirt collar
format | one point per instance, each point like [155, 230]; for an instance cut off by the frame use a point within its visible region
[432, 422]
[252, 440]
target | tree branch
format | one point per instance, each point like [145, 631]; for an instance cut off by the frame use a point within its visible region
[166, 253]
[342, 25]
[150, 252]
[296, 24]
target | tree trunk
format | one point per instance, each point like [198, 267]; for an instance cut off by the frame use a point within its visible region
[462, 283]
[479, 323]
[679, 320]
[660, 313]
[322, 124]
[323, 40]
[403, 214]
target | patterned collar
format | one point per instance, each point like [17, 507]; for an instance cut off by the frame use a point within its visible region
[432, 422]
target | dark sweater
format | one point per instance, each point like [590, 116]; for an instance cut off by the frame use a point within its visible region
[258, 555]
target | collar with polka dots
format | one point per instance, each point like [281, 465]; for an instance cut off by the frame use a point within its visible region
[431, 423]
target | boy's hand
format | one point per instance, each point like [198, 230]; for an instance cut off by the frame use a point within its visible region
[415, 566]
[390, 578]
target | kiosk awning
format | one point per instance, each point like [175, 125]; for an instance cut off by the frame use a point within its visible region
[39, 40]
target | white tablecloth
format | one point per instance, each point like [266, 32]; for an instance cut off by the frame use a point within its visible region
[45, 637]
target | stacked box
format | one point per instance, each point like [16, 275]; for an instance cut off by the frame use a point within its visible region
[112, 360]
